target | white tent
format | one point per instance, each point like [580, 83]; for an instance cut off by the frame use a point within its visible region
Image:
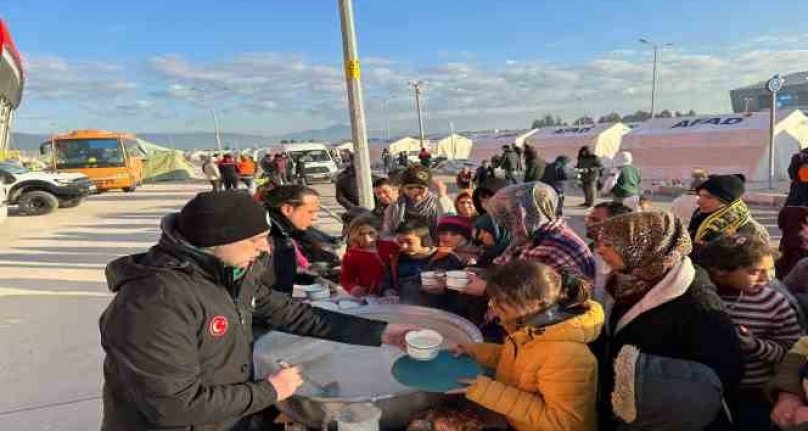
[670, 148]
[603, 139]
[519, 141]
[454, 147]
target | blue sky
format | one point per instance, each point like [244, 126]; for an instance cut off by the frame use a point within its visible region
[273, 66]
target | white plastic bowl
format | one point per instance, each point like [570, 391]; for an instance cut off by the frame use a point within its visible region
[317, 292]
[423, 345]
[457, 280]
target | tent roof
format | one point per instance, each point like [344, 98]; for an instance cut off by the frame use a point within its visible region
[682, 126]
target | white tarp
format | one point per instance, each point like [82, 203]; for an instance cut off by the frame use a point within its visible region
[454, 147]
[670, 148]
[406, 144]
[602, 139]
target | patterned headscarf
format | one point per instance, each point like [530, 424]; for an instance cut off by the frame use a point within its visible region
[523, 208]
[650, 243]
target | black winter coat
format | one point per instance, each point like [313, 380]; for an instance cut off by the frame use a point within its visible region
[178, 338]
[590, 168]
[283, 237]
[693, 326]
[509, 160]
[534, 165]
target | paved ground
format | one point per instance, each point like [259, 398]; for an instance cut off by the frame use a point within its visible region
[52, 291]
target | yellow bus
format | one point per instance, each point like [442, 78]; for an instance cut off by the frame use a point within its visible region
[112, 160]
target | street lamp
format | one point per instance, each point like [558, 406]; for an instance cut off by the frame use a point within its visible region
[773, 85]
[654, 79]
[418, 86]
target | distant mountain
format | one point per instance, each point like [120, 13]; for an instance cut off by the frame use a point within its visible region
[204, 140]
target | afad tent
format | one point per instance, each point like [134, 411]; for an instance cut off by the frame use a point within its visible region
[165, 164]
[602, 139]
[454, 147]
[670, 148]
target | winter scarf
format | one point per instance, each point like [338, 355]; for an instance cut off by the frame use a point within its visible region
[403, 210]
[501, 236]
[726, 220]
[650, 243]
[792, 246]
[523, 209]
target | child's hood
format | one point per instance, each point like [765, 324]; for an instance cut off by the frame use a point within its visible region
[582, 328]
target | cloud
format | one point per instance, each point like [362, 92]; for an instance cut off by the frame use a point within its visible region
[52, 77]
[282, 91]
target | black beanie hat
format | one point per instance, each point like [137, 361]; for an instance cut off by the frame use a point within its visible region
[727, 188]
[417, 175]
[218, 218]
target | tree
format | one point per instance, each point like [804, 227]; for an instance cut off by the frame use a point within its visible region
[612, 117]
[546, 121]
[665, 114]
[558, 121]
[284, 141]
[691, 113]
[584, 120]
[637, 117]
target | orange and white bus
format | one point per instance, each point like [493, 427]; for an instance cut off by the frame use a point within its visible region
[112, 160]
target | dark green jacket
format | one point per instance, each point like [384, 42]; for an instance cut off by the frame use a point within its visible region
[178, 338]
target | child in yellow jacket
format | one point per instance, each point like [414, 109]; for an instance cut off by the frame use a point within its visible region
[546, 376]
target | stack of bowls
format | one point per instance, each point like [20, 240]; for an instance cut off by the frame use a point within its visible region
[317, 292]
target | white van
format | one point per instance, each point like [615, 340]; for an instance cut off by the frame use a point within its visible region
[319, 164]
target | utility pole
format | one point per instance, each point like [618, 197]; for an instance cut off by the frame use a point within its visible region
[418, 86]
[216, 131]
[385, 103]
[654, 78]
[357, 110]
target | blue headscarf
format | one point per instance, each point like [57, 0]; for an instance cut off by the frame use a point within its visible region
[502, 239]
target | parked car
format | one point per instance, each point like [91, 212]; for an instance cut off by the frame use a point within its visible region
[319, 164]
[37, 193]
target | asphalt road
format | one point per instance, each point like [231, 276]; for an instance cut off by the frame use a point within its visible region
[52, 291]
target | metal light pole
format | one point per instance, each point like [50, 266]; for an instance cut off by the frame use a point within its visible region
[216, 131]
[774, 85]
[418, 86]
[357, 109]
[654, 79]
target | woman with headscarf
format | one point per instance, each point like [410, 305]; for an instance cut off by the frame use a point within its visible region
[528, 212]
[492, 239]
[793, 223]
[722, 211]
[416, 203]
[669, 354]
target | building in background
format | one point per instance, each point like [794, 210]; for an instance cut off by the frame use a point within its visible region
[754, 98]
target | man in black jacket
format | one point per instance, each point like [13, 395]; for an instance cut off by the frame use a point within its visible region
[178, 334]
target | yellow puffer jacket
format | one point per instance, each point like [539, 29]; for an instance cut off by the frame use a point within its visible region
[546, 378]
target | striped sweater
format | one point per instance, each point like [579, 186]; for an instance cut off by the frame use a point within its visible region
[773, 323]
[557, 246]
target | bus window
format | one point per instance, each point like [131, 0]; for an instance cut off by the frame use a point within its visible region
[86, 153]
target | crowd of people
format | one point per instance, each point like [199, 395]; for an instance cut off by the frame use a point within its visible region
[651, 320]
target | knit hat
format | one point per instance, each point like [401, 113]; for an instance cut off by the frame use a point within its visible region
[416, 175]
[727, 188]
[218, 218]
[456, 224]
